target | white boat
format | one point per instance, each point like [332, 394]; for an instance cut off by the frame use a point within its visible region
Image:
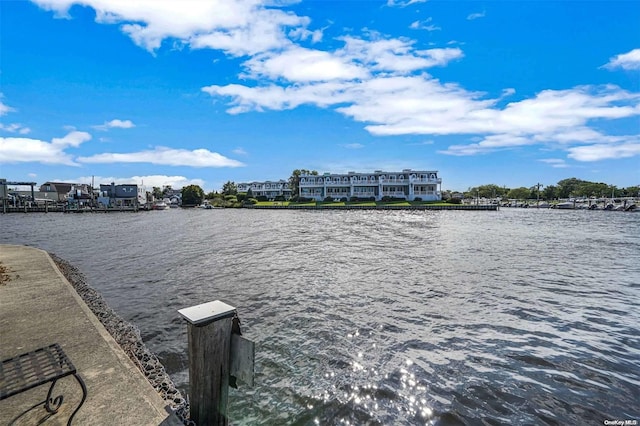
[566, 205]
[160, 205]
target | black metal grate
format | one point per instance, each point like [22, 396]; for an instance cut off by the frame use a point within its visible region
[31, 369]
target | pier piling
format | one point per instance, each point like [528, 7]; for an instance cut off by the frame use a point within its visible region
[209, 328]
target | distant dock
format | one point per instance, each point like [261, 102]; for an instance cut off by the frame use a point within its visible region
[65, 209]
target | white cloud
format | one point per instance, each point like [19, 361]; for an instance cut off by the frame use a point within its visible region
[626, 61]
[424, 25]
[236, 27]
[488, 144]
[15, 128]
[302, 33]
[166, 156]
[72, 139]
[26, 150]
[148, 181]
[4, 108]
[32, 175]
[354, 146]
[476, 15]
[115, 124]
[394, 55]
[599, 152]
[239, 151]
[403, 3]
[422, 105]
[557, 163]
[300, 64]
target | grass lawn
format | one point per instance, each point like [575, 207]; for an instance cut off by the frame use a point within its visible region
[273, 203]
[393, 203]
[330, 203]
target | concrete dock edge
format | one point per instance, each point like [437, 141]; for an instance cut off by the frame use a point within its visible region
[38, 307]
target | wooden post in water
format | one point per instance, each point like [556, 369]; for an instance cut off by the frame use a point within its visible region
[209, 332]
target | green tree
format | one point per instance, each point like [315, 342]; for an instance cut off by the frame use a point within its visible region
[550, 192]
[157, 193]
[192, 195]
[568, 187]
[166, 190]
[521, 193]
[229, 188]
[294, 179]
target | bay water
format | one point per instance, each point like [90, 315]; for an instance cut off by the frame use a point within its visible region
[518, 316]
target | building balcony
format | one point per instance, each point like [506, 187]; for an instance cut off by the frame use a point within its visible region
[397, 194]
[395, 181]
[418, 180]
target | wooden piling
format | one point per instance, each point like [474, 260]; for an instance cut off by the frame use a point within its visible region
[209, 339]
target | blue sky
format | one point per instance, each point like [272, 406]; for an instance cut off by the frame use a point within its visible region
[179, 92]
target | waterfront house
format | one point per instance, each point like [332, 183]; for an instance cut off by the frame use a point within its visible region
[269, 189]
[126, 195]
[62, 191]
[407, 185]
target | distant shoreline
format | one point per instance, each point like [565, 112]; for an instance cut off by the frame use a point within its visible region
[486, 207]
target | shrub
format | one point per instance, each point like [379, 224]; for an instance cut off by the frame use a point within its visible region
[354, 199]
[231, 198]
[328, 198]
[417, 199]
[454, 200]
[343, 199]
[279, 198]
[241, 196]
[371, 199]
[262, 198]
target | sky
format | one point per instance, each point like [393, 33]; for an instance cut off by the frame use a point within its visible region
[161, 92]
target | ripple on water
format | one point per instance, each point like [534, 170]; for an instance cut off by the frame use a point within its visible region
[394, 317]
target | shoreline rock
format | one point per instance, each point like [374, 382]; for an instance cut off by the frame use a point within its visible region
[129, 339]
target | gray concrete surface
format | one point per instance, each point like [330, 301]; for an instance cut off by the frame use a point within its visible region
[39, 307]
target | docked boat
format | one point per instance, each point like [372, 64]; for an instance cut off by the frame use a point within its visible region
[160, 205]
[619, 208]
[566, 205]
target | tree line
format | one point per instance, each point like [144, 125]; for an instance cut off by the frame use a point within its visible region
[566, 188]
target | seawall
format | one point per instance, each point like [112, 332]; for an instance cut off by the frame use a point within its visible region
[41, 306]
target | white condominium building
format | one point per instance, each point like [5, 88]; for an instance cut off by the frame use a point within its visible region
[269, 189]
[407, 184]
